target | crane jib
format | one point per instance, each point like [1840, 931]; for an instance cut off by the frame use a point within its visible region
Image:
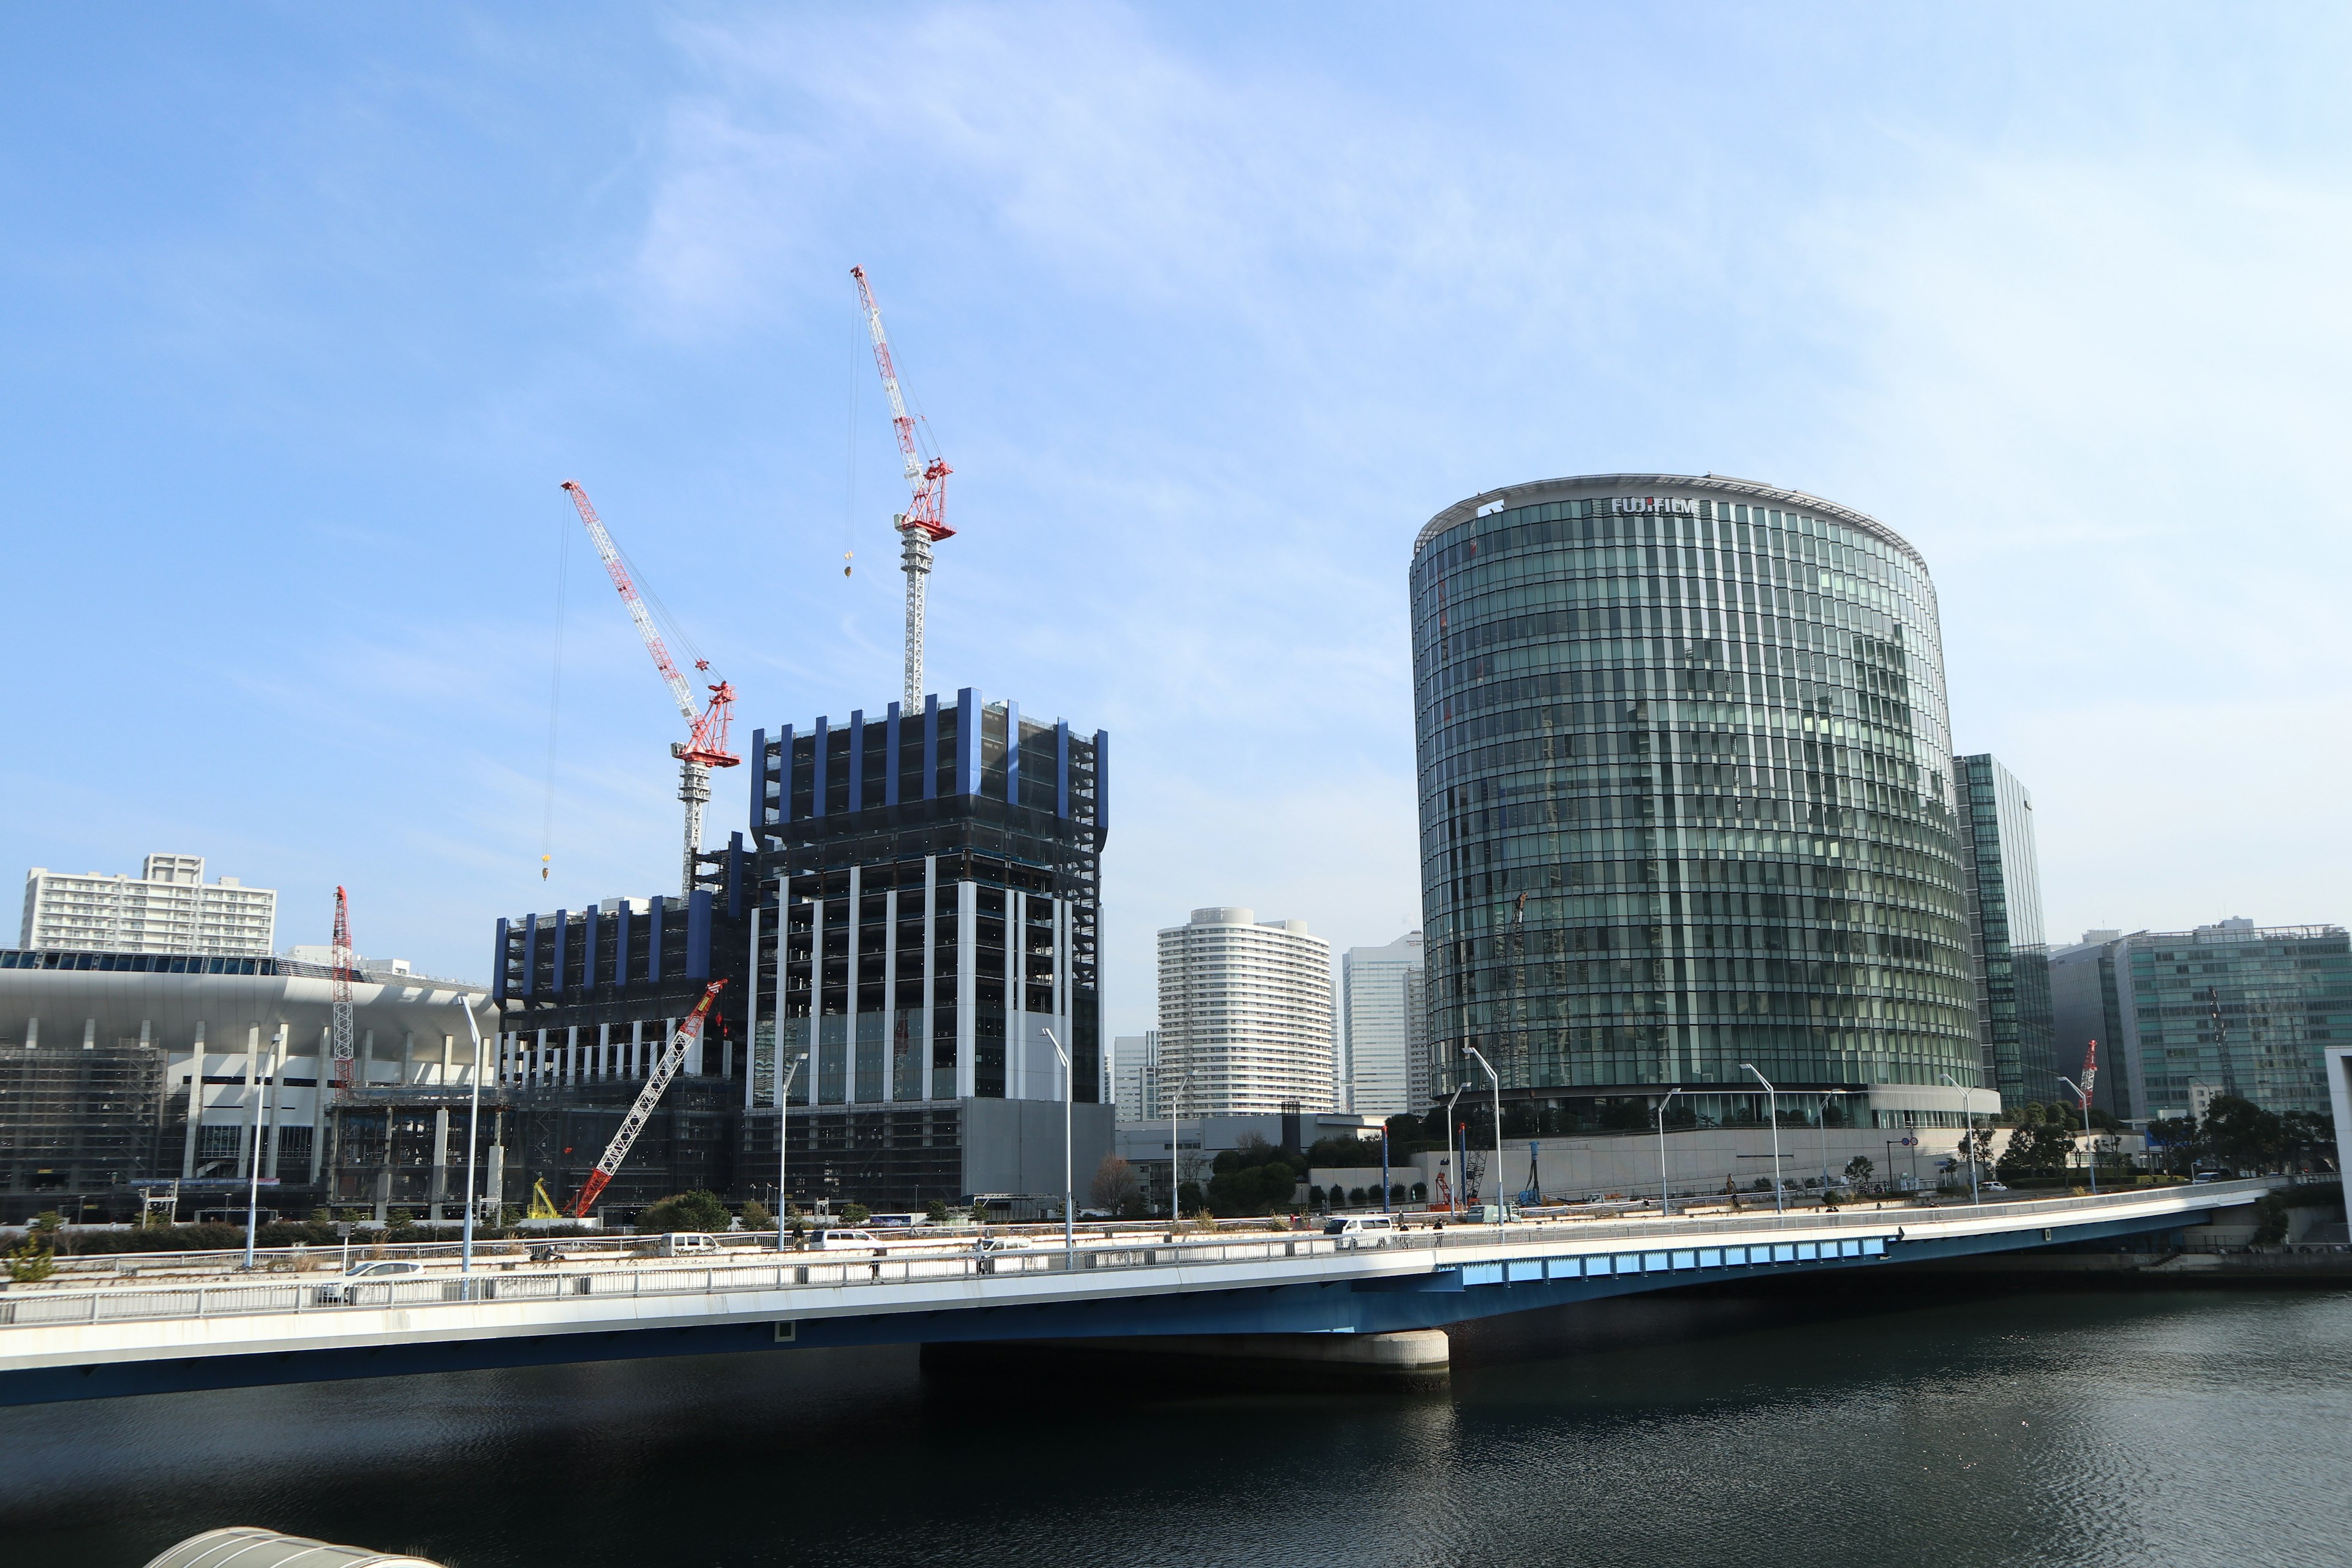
[689, 1029]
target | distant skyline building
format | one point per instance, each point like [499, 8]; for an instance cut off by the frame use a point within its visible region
[2228, 1008]
[1687, 806]
[168, 908]
[2005, 941]
[1245, 1016]
[1377, 996]
[1134, 1069]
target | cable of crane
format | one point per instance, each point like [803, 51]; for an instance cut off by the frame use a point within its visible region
[555, 695]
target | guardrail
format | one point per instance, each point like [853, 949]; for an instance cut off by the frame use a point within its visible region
[25, 1309]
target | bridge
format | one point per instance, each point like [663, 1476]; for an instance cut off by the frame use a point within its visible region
[1304, 1292]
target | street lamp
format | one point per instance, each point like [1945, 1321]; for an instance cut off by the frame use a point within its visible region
[2090, 1138]
[1974, 1196]
[1461, 1159]
[473, 1137]
[1665, 1204]
[783, 1142]
[1497, 1080]
[1174, 1101]
[1780, 1203]
[1069, 1098]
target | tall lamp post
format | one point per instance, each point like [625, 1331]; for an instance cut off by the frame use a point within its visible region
[1974, 1196]
[1174, 1100]
[1665, 1204]
[783, 1142]
[1069, 1099]
[1461, 1159]
[1496, 1079]
[2090, 1139]
[473, 1138]
[1779, 1200]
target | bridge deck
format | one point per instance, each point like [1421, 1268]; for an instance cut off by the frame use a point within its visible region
[55, 1343]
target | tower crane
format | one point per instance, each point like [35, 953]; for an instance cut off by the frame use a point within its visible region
[340, 962]
[923, 523]
[689, 1029]
[704, 747]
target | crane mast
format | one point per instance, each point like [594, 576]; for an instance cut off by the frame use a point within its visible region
[341, 961]
[923, 523]
[706, 744]
[689, 1029]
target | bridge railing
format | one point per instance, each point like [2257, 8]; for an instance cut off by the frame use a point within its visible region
[778, 1272]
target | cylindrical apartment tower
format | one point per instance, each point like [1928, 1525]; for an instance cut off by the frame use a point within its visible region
[1685, 805]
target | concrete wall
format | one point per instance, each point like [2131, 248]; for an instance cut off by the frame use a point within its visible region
[1698, 1161]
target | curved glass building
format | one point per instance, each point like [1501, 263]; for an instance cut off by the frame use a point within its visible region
[1687, 807]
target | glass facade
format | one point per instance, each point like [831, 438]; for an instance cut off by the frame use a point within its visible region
[2237, 1009]
[2004, 878]
[1686, 805]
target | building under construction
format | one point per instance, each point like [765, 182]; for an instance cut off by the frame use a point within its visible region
[913, 918]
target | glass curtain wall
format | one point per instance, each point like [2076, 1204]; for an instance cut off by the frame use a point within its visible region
[1686, 805]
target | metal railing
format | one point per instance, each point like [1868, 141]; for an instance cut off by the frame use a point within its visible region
[777, 1272]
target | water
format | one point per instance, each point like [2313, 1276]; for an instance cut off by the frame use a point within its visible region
[1895, 1425]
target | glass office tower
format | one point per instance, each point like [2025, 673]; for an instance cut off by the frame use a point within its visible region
[1686, 806]
[2013, 956]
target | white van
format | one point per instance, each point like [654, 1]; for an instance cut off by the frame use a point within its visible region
[848, 1241]
[1360, 1230]
[678, 1244]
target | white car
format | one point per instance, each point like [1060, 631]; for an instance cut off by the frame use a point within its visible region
[379, 1272]
[1360, 1230]
[848, 1241]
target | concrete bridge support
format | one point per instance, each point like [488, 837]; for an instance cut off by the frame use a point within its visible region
[1404, 1356]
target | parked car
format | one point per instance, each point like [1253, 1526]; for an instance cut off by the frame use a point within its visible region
[1360, 1230]
[678, 1244]
[375, 1271]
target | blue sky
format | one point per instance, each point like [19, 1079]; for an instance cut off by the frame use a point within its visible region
[306, 312]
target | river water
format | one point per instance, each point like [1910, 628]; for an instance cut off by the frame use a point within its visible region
[1891, 1423]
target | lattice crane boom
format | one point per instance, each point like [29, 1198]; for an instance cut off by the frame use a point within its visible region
[341, 961]
[704, 747]
[924, 522]
[689, 1029]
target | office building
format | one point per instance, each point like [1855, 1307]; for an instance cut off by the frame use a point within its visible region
[120, 1068]
[1687, 807]
[1134, 1074]
[1245, 1016]
[168, 908]
[2228, 1008]
[1377, 992]
[2006, 945]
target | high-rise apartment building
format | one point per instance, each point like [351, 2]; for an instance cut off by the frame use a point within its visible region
[2228, 1009]
[167, 908]
[1245, 1016]
[1134, 1075]
[1687, 806]
[2011, 954]
[1377, 991]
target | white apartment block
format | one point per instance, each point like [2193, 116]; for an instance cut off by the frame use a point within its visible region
[1378, 1008]
[167, 908]
[1246, 1016]
[1134, 1069]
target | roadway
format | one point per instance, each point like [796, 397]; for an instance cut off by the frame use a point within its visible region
[73, 1339]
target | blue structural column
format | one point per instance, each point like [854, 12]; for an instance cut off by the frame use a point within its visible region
[1062, 767]
[856, 758]
[784, 776]
[1011, 754]
[758, 822]
[1102, 786]
[562, 938]
[967, 751]
[499, 965]
[890, 757]
[592, 917]
[654, 940]
[734, 876]
[817, 769]
[621, 945]
[529, 952]
[931, 747]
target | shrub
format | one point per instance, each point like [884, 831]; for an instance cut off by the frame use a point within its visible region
[757, 1217]
[936, 1211]
[684, 1211]
[856, 1214]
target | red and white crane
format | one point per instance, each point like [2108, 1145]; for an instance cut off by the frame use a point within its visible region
[704, 747]
[341, 961]
[689, 1029]
[923, 523]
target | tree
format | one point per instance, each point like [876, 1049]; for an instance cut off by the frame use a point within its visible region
[2176, 1140]
[2310, 1135]
[1114, 1185]
[2040, 1145]
[856, 1214]
[1859, 1170]
[2241, 1133]
[757, 1217]
[684, 1211]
